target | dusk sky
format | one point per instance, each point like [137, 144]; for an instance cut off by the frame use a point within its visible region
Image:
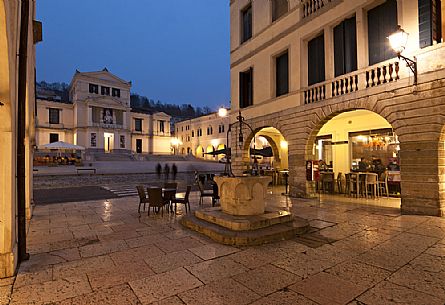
[176, 51]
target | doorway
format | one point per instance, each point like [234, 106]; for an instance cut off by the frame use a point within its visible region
[108, 142]
[139, 146]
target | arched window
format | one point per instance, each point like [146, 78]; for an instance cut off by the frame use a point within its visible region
[279, 8]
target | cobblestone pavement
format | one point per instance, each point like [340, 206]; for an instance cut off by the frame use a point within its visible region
[103, 252]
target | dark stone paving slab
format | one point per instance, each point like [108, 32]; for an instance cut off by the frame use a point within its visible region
[71, 194]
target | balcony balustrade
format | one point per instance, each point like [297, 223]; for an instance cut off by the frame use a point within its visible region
[372, 76]
[309, 7]
[108, 126]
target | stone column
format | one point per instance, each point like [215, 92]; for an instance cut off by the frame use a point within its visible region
[362, 41]
[420, 185]
[329, 52]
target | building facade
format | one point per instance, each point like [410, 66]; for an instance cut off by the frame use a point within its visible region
[12, 190]
[201, 135]
[98, 116]
[321, 74]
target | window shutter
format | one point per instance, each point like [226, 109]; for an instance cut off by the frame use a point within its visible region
[316, 65]
[339, 49]
[282, 74]
[382, 22]
[350, 45]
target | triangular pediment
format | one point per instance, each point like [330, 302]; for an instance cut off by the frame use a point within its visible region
[102, 76]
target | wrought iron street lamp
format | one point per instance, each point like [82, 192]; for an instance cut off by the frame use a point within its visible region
[398, 41]
[240, 121]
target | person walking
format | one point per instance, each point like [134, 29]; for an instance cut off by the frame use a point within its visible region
[166, 171]
[159, 170]
[174, 171]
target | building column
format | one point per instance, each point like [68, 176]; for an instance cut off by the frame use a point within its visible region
[420, 185]
[329, 52]
[90, 115]
[362, 38]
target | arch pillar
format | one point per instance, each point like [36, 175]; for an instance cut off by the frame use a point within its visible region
[421, 186]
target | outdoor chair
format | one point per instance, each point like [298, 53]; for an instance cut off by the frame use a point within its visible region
[339, 182]
[371, 180]
[327, 180]
[183, 200]
[142, 197]
[155, 199]
[204, 193]
[383, 184]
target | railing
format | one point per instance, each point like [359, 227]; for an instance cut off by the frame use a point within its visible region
[108, 126]
[373, 76]
[315, 93]
[309, 7]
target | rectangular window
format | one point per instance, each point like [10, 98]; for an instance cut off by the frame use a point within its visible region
[54, 116]
[345, 47]
[161, 126]
[105, 90]
[430, 22]
[282, 74]
[246, 88]
[116, 92]
[122, 141]
[382, 22]
[53, 137]
[316, 65]
[93, 140]
[246, 23]
[138, 124]
[279, 8]
[94, 88]
[193, 133]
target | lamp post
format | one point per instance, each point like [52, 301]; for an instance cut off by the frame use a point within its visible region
[398, 41]
[222, 112]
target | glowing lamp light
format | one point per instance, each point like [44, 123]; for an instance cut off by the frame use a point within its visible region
[176, 142]
[214, 142]
[222, 112]
[398, 40]
[284, 144]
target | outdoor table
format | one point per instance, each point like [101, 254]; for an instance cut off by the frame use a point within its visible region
[167, 193]
[357, 180]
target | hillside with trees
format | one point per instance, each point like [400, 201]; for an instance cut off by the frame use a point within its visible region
[137, 102]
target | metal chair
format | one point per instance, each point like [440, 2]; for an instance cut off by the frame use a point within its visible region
[383, 184]
[183, 200]
[142, 197]
[339, 181]
[371, 179]
[155, 199]
[204, 193]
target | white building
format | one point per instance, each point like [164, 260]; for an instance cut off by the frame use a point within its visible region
[201, 135]
[99, 117]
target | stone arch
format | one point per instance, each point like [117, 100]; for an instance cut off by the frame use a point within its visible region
[320, 118]
[209, 149]
[199, 151]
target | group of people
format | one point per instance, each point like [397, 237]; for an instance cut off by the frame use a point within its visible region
[376, 165]
[166, 171]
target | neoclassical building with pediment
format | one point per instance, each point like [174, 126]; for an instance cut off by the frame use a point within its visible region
[98, 116]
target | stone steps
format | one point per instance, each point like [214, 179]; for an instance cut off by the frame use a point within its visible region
[223, 235]
[243, 223]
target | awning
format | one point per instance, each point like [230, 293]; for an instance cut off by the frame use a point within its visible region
[265, 152]
[224, 151]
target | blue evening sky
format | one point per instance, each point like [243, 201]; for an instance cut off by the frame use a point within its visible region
[176, 51]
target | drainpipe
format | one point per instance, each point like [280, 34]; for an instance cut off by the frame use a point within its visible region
[21, 126]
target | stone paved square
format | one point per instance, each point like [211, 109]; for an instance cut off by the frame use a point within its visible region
[96, 253]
